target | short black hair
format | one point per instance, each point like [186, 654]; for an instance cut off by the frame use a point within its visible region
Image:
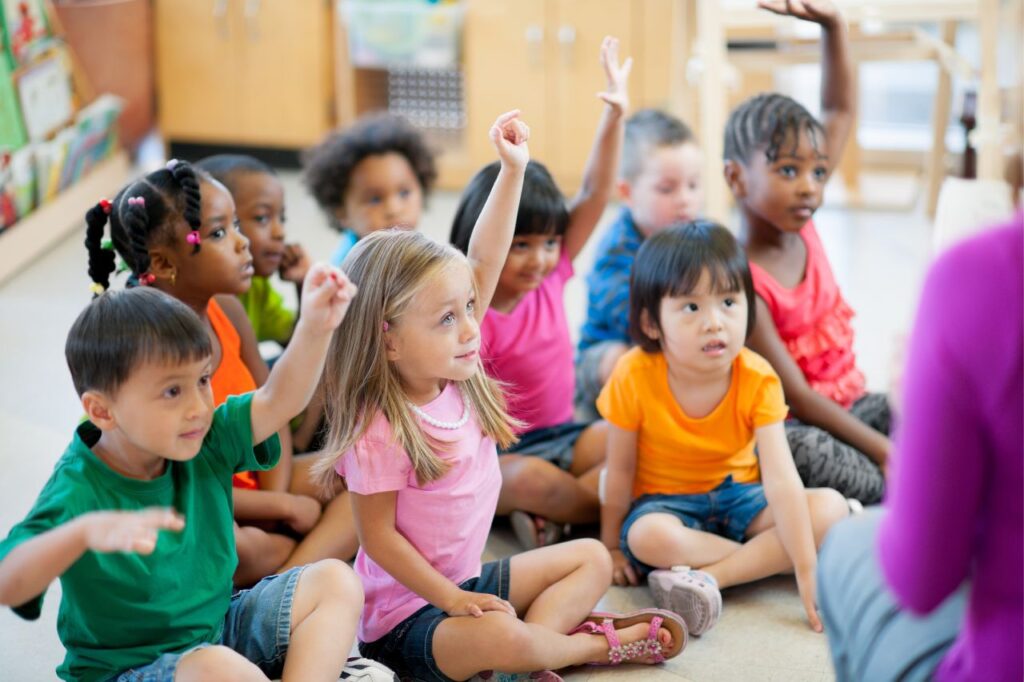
[120, 330]
[330, 164]
[768, 121]
[225, 167]
[645, 130]
[671, 264]
[542, 208]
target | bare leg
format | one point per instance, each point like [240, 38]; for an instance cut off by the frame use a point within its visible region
[217, 663]
[333, 537]
[558, 586]
[540, 487]
[325, 611]
[662, 541]
[588, 455]
[259, 554]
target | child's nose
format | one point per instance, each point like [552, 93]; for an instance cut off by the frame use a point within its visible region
[241, 242]
[469, 328]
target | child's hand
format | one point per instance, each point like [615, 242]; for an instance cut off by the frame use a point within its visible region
[294, 264]
[303, 513]
[819, 11]
[129, 531]
[806, 583]
[617, 94]
[622, 573]
[509, 136]
[474, 604]
[326, 295]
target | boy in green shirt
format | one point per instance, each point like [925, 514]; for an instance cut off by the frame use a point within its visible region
[136, 520]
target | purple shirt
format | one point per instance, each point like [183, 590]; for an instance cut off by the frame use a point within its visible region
[957, 483]
[529, 349]
[446, 520]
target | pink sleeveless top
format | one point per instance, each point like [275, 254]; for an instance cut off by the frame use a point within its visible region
[813, 321]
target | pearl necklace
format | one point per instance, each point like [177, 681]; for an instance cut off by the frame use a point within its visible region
[437, 423]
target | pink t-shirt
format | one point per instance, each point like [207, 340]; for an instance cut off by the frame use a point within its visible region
[813, 321]
[447, 520]
[530, 350]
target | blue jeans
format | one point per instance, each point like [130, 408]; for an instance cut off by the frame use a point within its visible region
[727, 511]
[409, 648]
[258, 625]
[869, 636]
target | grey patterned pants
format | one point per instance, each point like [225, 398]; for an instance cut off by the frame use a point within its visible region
[824, 461]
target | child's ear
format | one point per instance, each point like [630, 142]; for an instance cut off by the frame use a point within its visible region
[648, 327]
[625, 191]
[734, 177]
[390, 348]
[162, 263]
[340, 215]
[97, 409]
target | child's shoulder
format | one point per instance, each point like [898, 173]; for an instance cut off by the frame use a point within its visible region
[637, 362]
[753, 368]
[620, 239]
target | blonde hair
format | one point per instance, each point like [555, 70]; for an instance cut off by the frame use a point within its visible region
[390, 267]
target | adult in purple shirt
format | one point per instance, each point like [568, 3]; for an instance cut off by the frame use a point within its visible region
[955, 508]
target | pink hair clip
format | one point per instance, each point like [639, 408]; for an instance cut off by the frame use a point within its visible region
[193, 238]
[386, 326]
[147, 279]
[137, 201]
[105, 205]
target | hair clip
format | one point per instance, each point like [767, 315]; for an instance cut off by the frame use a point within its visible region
[96, 288]
[122, 266]
[386, 326]
[171, 164]
[147, 279]
[137, 201]
[193, 238]
[107, 245]
[105, 205]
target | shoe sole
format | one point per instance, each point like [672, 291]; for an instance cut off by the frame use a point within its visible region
[700, 609]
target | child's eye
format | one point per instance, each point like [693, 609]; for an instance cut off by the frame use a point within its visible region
[729, 302]
[373, 200]
[204, 380]
[690, 307]
[820, 173]
[551, 243]
[788, 171]
[664, 189]
[172, 392]
[262, 219]
[218, 233]
[471, 306]
[283, 218]
[448, 320]
[405, 193]
[520, 245]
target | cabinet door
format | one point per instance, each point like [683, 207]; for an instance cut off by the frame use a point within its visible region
[285, 84]
[579, 26]
[197, 65]
[504, 61]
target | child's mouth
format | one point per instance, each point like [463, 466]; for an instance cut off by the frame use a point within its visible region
[714, 348]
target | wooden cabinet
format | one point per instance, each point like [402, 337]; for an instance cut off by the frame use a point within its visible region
[245, 72]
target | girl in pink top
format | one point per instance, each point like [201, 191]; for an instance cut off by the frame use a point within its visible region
[413, 428]
[777, 160]
[550, 476]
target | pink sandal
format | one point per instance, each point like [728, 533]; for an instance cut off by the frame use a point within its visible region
[607, 623]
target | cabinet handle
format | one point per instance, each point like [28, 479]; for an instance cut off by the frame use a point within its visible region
[567, 39]
[220, 17]
[535, 40]
[252, 24]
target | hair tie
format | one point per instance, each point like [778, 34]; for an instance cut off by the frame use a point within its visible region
[147, 279]
[171, 164]
[137, 201]
[96, 288]
[107, 245]
[386, 326]
[193, 238]
[105, 205]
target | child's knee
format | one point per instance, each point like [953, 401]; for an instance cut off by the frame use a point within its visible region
[216, 663]
[331, 578]
[593, 554]
[536, 481]
[827, 508]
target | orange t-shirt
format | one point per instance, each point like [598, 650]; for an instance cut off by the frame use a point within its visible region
[680, 455]
[232, 376]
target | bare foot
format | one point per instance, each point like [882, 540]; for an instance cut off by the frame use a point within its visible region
[637, 633]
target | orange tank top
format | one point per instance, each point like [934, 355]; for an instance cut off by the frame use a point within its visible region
[232, 376]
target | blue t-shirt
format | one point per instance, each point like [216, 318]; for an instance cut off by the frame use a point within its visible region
[345, 244]
[608, 284]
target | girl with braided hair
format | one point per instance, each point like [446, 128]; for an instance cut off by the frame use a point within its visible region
[778, 158]
[176, 230]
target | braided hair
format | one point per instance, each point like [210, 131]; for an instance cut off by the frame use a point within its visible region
[142, 215]
[768, 121]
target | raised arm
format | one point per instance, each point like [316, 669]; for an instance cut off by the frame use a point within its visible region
[620, 470]
[492, 234]
[588, 205]
[808, 405]
[327, 294]
[838, 98]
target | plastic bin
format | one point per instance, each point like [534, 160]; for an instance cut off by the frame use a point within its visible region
[402, 33]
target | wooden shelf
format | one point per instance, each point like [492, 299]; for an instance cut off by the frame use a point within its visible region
[27, 239]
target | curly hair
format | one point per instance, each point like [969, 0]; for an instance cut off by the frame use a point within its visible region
[768, 121]
[330, 164]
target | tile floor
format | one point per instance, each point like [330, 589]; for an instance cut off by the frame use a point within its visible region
[878, 256]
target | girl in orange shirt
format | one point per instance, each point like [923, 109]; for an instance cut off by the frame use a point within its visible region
[686, 409]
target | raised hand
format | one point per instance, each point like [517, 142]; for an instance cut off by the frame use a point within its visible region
[819, 11]
[295, 264]
[509, 135]
[616, 95]
[129, 531]
[326, 295]
[474, 604]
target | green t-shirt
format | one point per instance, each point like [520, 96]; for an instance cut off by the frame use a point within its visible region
[271, 320]
[120, 610]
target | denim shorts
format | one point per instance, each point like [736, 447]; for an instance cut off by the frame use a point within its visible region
[556, 444]
[409, 648]
[257, 625]
[727, 511]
